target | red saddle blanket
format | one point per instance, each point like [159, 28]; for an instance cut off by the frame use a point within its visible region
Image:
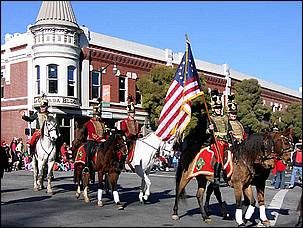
[202, 164]
[131, 153]
[81, 155]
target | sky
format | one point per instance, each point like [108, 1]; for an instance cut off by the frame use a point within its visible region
[262, 39]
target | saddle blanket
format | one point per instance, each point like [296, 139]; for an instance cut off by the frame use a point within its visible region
[131, 153]
[203, 164]
[81, 155]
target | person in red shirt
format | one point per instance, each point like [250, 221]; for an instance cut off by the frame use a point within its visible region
[130, 127]
[95, 134]
[63, 152]
[280, 174]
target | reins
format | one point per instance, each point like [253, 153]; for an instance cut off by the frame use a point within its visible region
[53, 128]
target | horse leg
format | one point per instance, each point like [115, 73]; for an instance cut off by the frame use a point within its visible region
[85, 181]
[113, 178]
[77, 178]
[35, 171]
[222, 204]
[180, 186]
[142, 190]
[40, 175]
[209, 191]
[200, 193]
[49, 177]
[238, 196]
[140, 173]
[100, 188]
[260, 193]
[148, 184]
[252, 203]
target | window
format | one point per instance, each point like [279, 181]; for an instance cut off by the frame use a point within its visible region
[38, 79]
[138, 96]
[95, 84]
[52, 78]
[122, 89]
[70, 81]
[2, 85]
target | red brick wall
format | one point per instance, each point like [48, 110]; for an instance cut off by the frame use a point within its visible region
[11, 123]
[18, 81]
[13, 126]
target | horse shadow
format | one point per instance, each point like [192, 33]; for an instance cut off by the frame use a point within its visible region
[231, 209]
[27, 200]
[12, 190]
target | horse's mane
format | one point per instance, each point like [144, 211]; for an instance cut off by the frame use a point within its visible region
[81, 137]
[256, 144]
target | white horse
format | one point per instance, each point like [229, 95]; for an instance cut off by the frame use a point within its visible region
[45, 154]
[143, 160]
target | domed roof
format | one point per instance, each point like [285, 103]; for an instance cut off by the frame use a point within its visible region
[56, 13]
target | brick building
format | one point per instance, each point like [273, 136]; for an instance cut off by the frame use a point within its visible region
[74, 66]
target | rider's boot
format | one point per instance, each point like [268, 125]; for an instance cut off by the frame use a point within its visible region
[87, 162]
[217, 170]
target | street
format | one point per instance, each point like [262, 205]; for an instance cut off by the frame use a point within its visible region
[21, 206]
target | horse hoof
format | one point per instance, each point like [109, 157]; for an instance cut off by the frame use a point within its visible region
[120, 206]
[86, 200]
[175, 217]
[145, 197]
[207, 220]
[50, 192]
[77, 195]
[241, 225]
[100, 203]
[266, 223]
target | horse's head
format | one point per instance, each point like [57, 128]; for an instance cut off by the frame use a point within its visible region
[283, 144]
[50, 129]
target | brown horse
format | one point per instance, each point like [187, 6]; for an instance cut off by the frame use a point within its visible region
[108, 161]
[253, 160]
[184, 174]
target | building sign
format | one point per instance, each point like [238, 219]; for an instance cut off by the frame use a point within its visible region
[59, 101]
[106, 96]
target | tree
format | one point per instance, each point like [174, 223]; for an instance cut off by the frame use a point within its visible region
[290, 117]
[251, 111]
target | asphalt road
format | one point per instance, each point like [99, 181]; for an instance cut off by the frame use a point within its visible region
[22, 207]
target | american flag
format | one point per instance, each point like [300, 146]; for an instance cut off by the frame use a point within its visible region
[176, 112]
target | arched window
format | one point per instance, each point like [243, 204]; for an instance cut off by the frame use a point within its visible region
[37, 69]
[71, 81]
[52, 78]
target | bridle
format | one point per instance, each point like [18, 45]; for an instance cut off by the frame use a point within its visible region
[274, 154]
[52, 128]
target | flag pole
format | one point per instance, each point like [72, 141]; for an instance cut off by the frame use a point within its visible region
[206, 108]
[216, 142]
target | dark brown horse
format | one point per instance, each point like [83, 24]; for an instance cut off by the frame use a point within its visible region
[253, 160]
[184, 175]
[108, 161]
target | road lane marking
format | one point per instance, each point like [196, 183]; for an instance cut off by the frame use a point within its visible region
[276, 204]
